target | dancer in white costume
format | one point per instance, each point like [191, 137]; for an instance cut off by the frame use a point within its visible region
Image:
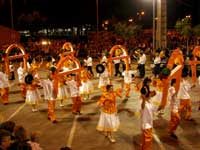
[86, 85]
[109, 121]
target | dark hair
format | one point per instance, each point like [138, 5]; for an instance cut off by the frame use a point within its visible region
[20, 133]
[8, 126]
[3, 133]
[65, 148]
[146, 80]
[108, 87]
[173, 81]
[145, 90]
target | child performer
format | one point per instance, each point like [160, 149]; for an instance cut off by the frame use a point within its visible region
[62, 91]
[21, 75]
[32, 95]
[146, 115]
[4, 87]
[183, 95]
[50, 97]
[109, 121]
[104, 78]
[127, 82]
[75, 95]
[175, 117]
[86, 85]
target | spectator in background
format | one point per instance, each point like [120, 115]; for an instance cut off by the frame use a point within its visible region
[5, 139]
[8, 126]
[34, 141]
[141, 64]
[21, 141]
[89, 64]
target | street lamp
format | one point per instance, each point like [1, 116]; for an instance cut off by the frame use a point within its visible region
[153, 30]
[97, 21]
[11, 14]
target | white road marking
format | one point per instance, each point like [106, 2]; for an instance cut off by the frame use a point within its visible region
[160, 144]
[72, 132]
[16, 112]
[1, 118]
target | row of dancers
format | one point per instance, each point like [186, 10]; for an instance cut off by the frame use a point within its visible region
[108, 121]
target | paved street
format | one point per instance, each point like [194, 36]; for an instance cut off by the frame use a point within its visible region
[80, 133]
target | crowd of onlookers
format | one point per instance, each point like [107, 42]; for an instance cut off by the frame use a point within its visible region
[106, 40]
[15, 137]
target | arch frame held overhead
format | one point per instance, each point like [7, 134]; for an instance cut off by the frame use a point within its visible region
[124, 56]
[7, 58]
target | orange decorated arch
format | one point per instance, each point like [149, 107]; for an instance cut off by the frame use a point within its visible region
[60, 72]
[119, 52]
[68, 49]
[176, 58]
[193, 62]
[7, 58]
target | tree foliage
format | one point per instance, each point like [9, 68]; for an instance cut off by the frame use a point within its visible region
[31, 20]
[196, 30]
[125, 30]
[184, 27]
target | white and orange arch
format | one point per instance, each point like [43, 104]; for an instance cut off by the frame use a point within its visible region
[193, 62]
[176, 58]
[59, 73]
[8, 57]
[118, 52]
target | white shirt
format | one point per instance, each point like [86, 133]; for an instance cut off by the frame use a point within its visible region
[142, 59]
[21, 74]
[4, 83]
[104, 59]
[185, 87]
[147, 116]
[157, 60]
[48, 89]
[128, 76]
[89, 61]
[73, 88]
[172, 97]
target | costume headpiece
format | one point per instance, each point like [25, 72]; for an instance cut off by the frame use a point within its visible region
[100, 68]
[185, 72]
[29, 79]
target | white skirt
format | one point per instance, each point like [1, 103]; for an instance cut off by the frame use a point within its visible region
[62, 93]
[32, 97]
[108, 122]
[86, 87]
[103, 82]
[156, 100]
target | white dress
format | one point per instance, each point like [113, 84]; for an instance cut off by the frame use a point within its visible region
[32, 96]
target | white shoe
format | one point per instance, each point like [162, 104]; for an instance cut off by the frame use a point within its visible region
[34, 110]
[61, 105]
[112, 140]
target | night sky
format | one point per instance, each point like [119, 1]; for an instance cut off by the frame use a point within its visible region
[84, 11]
